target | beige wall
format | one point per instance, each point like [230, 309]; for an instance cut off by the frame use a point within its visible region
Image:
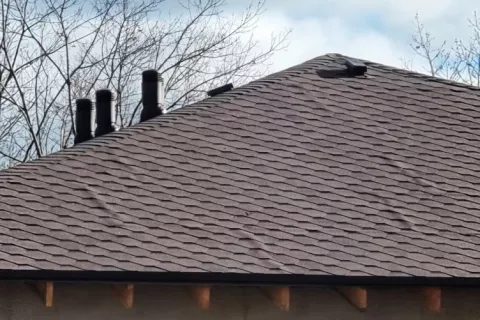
[96, 302]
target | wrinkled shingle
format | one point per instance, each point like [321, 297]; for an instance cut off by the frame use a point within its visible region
[299, 172]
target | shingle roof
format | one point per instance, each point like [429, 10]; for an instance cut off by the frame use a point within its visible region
[306, 171]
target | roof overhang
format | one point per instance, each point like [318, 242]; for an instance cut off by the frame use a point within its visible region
[244, 279]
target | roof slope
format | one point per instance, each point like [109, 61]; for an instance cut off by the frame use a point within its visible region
[303, 172]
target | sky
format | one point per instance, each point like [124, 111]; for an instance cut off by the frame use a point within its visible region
[377, 30]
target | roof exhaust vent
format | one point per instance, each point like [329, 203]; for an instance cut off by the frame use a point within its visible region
[219, 90]
[105, 113]
[83, 121]
[355, 67]
[152, 95]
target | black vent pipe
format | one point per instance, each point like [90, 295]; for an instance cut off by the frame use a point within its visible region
[219, 90]
[83, 121]
[105, 113]
[152, 95]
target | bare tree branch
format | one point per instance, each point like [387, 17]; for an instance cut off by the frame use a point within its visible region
[459, 61]
[54, 51]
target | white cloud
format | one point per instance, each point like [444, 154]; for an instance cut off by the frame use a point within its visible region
[314, 37]
[403, 11]
[394, 11]
[377, 30]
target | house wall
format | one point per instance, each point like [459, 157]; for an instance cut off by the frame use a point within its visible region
[95, 302]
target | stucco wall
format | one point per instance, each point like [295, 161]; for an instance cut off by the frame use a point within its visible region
[96, 302]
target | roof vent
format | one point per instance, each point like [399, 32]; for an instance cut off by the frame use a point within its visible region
[355, 67]
[219, 90]
[105, 113]
[83, 121]
[152, 95]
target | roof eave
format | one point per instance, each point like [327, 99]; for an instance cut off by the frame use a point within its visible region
[244, 279]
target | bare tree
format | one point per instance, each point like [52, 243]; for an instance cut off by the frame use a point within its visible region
[458, 61]
[54, 51]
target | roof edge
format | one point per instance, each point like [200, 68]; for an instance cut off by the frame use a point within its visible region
[407, 72]
[247, 279]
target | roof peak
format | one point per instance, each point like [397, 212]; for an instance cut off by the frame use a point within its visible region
[402, 71]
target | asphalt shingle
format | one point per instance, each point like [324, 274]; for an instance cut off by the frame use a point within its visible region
[305, 171]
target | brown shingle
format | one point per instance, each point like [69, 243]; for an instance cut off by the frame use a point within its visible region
[293, 173]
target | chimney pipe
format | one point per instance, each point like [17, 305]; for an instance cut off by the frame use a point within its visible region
[105, 113]
[83, 121]
[152, 95]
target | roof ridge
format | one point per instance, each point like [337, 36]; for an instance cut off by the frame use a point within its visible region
[407, 72]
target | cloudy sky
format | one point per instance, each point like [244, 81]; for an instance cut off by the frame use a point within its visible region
[378, 30]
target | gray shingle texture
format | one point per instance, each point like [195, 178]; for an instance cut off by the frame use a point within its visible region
[306, 171]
